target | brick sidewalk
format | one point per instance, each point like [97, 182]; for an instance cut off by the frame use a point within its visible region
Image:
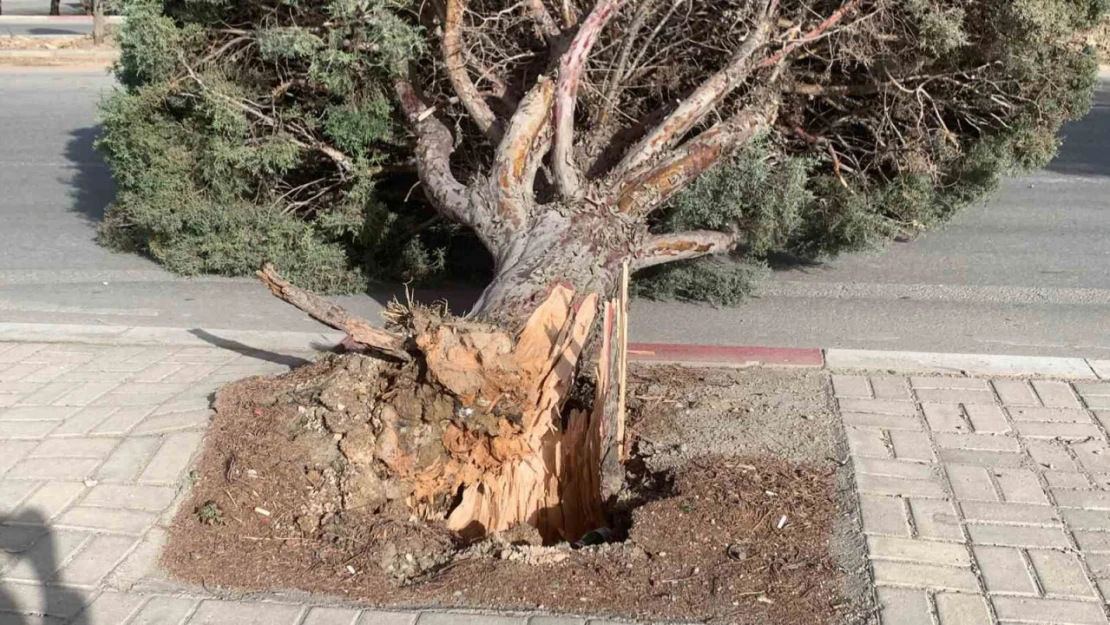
[95, 447]
[983, 501]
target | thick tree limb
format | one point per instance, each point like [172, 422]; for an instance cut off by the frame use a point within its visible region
[667, 248]
[661, 180]
[331, 315]
[434, 145]
[520, 152]
[695, 107]
[455, 58]
[568, 177]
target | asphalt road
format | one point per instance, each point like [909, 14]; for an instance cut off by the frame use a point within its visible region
[1027, 272]
[40, 7]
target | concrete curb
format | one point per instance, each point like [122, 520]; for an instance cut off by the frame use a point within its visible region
[58, 57]
[656, 353]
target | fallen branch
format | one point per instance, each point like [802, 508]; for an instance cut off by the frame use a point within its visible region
[331, 315]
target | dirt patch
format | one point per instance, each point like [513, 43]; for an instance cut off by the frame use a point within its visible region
[730, 514]
[17, 42]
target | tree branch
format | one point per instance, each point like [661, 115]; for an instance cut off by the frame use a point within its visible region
[543, 19]
[434, 145]
[331, 315]
[695, 107]
[644, 192]
[667, 248]
[811, 35]
[568, 177]
[455, 59]
[520, 152]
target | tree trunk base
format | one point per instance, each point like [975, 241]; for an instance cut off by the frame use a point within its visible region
[480, 430]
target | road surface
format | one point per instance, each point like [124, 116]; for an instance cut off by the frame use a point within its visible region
[1027, 272]
[40, 7]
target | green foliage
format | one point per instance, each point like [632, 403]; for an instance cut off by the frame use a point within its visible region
[212, 141]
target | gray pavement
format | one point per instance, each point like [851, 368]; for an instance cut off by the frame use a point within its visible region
[1027, 272]
[40, 7]
[34, 29]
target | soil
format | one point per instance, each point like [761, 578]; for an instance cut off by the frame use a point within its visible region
[732, 510]
[17, 42]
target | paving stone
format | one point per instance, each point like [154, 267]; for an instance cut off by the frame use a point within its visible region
[19, 351]
[19, 538]
[1094, 455]
[1086, 519]
[883, 485]
[157, 372]
[47, 394]
[53, 497]
[902, 606]
[87, 393]
[879, 406]
[1017, 513]
[163, 610]
[375, 617]
[989, 459]
[1004, 570]
[889, 573]
[1097, 402]
[95, 561]
[1029, 609]
[1049, 415]
[1089, 500]
[121, 399]
[39, 563]
[1099, 565]
[123, 420]
[151, 498]
[11, 452]
[51, 469]
[1017, 536]
[959, 609]
[19, 372]
[971, 483]
[1019, 486]
[150, 355]
[74, 448]
[330, 616]
[935, 519]
[244, 613]
[58, 355]
[129, 459]
[178, 421]
[1055, 394]
[911, 446]
[556, 620]
[1051, 454]
[171, 458]
[1093, 542]
[883, 516]
[894, 468]
[201, 355]
[945, 418]
[867, 443]
[851, 386]
[980, 442]
[1093, 388]
[954, 396]
[142, 562]
[1067, 431]
[987, 419]
[972, 384]
[82, 423]
[7, 399]
[26, 430]
[106, 519]
[111, 607]
[1061, 574]
[50, 601]
[83, 374]
[37, 413]
[185, 404]
[13, 492]
[894, 388]
[887, 422]
[919, 551]
[448, 618]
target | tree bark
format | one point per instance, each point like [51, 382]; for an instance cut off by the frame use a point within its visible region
[98, 21]
[55, 7]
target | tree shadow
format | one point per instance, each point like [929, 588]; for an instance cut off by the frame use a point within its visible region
[56, 31]
[1084, 152]
[246, 350]
[90, 181]
[26, 536]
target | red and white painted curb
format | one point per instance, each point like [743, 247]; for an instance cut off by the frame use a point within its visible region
[659, 353]
[55, 19]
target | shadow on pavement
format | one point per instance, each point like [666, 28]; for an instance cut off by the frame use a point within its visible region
[27, 537]
[1085, 141]
[246, 350]
[55, 31]
[91, 184]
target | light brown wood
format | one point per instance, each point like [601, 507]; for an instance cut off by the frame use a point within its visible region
[622, 366]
